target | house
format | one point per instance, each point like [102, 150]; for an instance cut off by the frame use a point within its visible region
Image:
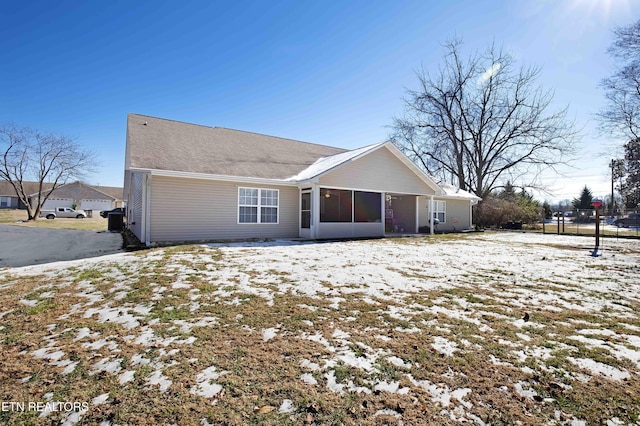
[187, 182]
[9, 198]
[83, 196]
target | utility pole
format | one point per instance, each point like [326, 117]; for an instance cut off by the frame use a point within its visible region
[617, 172]
[613, 175]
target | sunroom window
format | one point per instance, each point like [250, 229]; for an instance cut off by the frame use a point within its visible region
[339, 205]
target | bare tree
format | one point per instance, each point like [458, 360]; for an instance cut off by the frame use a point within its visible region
[30, 155]
[622, 89]
[481, 122]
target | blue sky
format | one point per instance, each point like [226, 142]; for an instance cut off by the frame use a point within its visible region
[329, 72]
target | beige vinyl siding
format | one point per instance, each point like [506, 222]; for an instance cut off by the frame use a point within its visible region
[135, 203]
[378, 171]
[184, 209]
[456, 215]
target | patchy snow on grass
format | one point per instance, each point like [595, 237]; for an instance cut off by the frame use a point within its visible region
[598, 368]
[444, 345]
[107, 365]
[441, 394]
[269, 333]
[125, 377]
[158, 378]
[204, 386]
[287, 406]
[367, 317]
[115, 315]
[391, 387]
[308, 379]
[100, 399]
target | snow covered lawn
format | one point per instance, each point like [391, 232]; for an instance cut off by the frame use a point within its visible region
[495, 328]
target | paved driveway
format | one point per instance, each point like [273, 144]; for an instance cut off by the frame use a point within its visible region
[22, 246]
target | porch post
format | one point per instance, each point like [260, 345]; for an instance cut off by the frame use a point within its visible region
[383, 210]
[417, 214]
[315, 210]
[431, 215]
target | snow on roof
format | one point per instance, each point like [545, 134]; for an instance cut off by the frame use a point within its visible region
[325, 164]
[452, 191]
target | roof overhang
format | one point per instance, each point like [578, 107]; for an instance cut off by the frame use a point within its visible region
[207, 176]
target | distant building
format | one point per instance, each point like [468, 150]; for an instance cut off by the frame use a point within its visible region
[9, 198]
[83, 196]
[78, 194]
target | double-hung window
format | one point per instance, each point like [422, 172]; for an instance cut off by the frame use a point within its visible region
[256, 205]
[440, 210]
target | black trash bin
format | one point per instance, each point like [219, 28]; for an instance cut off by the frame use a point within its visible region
[115, 222]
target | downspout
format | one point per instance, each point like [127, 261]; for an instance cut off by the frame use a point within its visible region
[147, 210]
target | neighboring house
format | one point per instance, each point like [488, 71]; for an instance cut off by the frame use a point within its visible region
[113, 191]
[83, 196]
[8, 197]
[186, 182]
[86, 197]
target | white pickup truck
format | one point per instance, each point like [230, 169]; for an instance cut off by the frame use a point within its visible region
[63, 212]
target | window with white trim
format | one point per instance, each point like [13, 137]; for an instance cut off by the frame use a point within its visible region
[439, 210]
[256, 205]
[5, 201]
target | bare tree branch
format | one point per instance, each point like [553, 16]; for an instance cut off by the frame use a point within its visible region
[621, 115]
[479, 122]
[29, 155]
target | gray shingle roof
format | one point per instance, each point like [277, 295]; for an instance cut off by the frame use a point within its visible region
[156, 143]
[79, 191]
[99, 192]
[114, 191]
[6, 190]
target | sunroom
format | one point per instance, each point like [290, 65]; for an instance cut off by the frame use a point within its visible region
[329, 212]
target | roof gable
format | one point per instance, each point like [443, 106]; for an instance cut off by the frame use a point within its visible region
[159, 144]
[325, 164]
[333, 163]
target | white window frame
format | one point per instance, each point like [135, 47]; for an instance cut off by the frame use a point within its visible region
[6, 200]
[259, 206]
[439, 208]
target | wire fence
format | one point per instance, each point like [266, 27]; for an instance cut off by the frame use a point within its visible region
[583, 222]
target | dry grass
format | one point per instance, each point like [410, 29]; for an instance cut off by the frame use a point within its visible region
[265, 318]
[13, 216]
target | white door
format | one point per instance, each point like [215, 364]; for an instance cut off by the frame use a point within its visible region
[305, 214]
